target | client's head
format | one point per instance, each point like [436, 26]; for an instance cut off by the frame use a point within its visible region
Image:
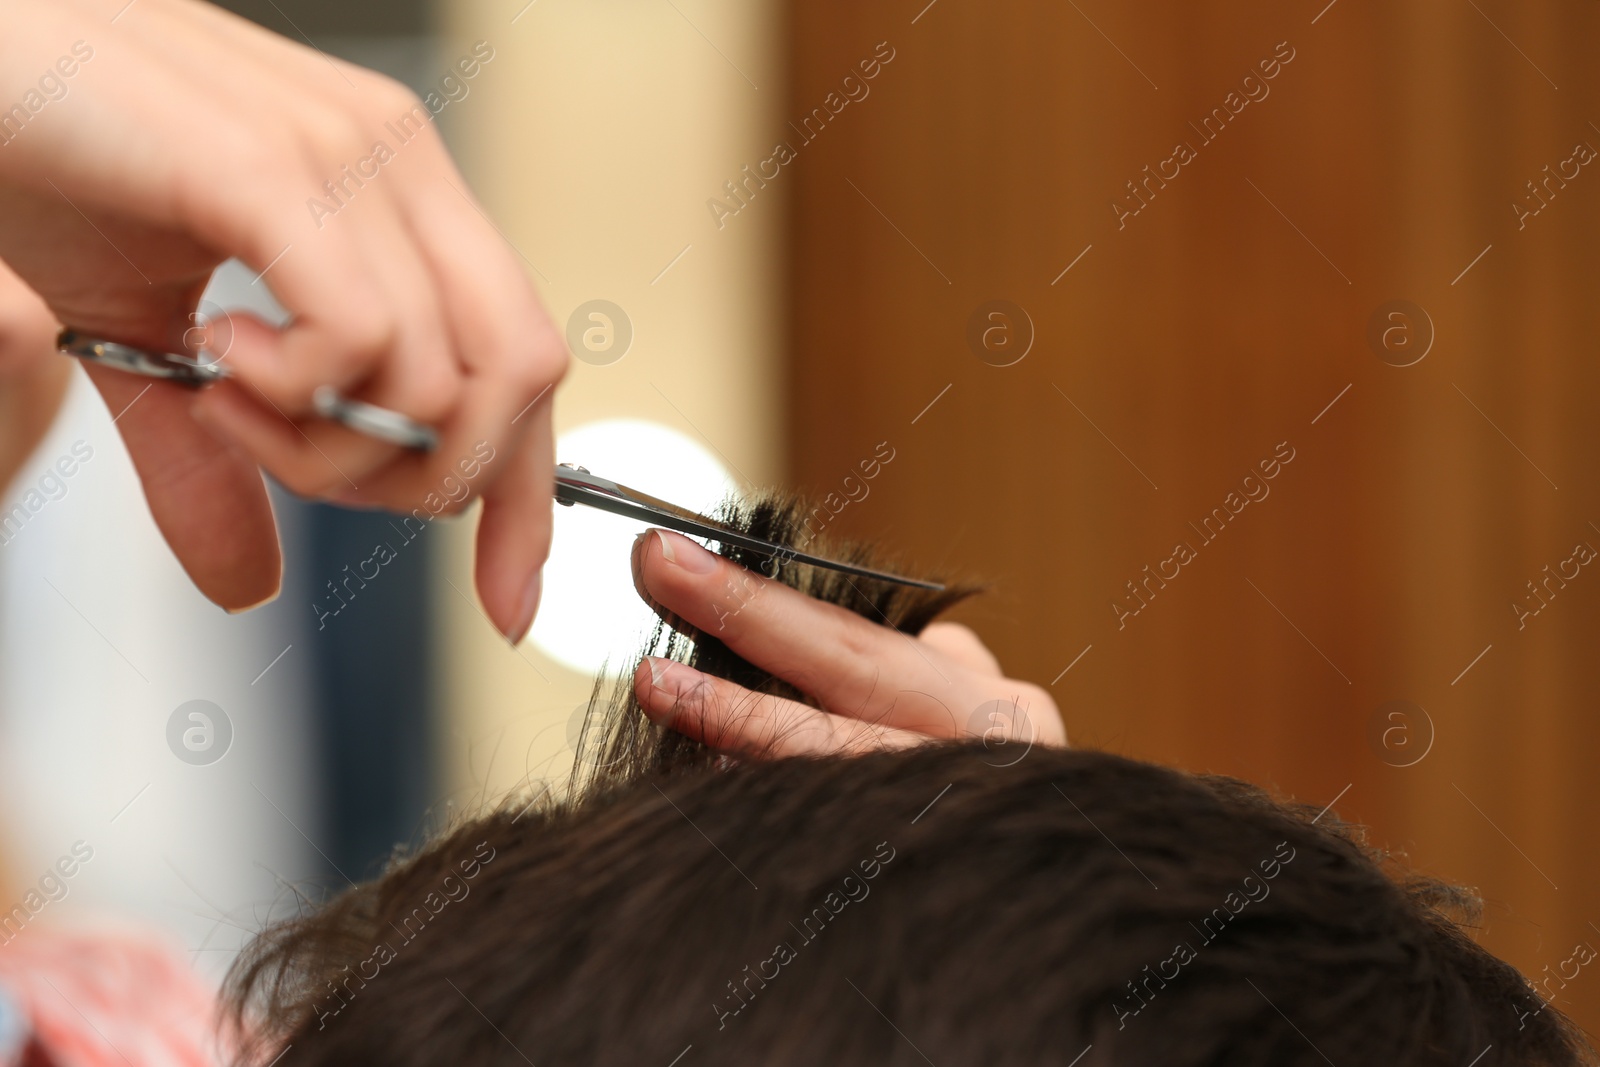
[944, 904]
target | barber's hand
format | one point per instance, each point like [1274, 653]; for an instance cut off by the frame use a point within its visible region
[31, 383]
[877, 688]
[183, 136]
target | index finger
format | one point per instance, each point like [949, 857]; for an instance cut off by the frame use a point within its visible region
[850, 665]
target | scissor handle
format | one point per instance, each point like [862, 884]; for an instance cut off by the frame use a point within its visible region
[183, 370]
[379, 423]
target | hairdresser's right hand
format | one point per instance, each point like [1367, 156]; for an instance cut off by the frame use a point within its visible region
[875, 687]
[30, 386]
[142, 142]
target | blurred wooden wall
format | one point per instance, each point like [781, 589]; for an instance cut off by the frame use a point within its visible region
[1182, 348]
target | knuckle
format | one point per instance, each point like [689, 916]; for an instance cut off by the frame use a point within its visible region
[364, 334]
[699, 706]
[252, 168]
[539, 364]
[386, 100]
[551, 353]
[858, 640]
[332, 134]
[433, 391]
[252, 152]
[390, 97]
[1035, 701]
[706, 697]
[1038, 696]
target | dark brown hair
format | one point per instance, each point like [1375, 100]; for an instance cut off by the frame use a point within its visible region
[943, 905]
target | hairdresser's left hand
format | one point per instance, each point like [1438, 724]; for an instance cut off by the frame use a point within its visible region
[876, 687]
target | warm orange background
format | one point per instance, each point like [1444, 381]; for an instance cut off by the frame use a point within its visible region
[1223, 319]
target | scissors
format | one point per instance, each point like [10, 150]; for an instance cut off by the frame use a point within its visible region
[379, 423]
[574, 485]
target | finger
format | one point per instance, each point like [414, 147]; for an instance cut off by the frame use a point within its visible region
[310, 455]
[851, 666]
[514, 530]
[27, 329]
[206, 497]
[735, 721]
[511, 356]
[961, 645]
[513, 359]
[1018, 712]
[33, 378]
[265, 133]
[250, 423]
[418, 377]
[29, 400]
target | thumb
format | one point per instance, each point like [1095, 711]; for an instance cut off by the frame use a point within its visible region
[207, 498]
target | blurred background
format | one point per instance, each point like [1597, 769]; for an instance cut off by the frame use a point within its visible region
[1247, 351]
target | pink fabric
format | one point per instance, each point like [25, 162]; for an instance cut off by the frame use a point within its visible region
[111, 998]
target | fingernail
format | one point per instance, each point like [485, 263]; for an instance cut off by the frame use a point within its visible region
[682, 552]
[671, 677]
[263, 602]
[679, 687]
[530, 605]
[666, 546]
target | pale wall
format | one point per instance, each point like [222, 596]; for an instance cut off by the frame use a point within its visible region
[594, 138]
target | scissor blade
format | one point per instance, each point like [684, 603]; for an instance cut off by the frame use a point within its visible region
[580, 487]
